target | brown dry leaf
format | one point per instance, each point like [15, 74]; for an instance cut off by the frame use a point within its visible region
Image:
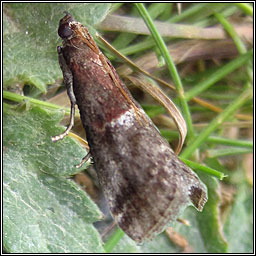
[138, 26]
[161, 97]
[184, 51]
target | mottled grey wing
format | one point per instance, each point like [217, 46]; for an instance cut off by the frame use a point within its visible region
[144, 182]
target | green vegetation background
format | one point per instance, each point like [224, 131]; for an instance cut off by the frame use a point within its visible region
[43, 210]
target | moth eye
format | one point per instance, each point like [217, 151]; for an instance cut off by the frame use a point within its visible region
[65, 31]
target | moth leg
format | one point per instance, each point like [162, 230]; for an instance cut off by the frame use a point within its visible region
[71, 124]
[68, 81]
[84, 160]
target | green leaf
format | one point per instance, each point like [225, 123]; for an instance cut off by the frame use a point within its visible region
[31, 132]
[30, 39]
[209, 220]
[239, 225]
[126, 245]
[43, 211]
[160, 244]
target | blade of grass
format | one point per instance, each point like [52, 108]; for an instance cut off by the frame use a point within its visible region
[113, 240]
[194, 10]
[231, 31]
[238, 42]
[156, 9]
[115, 6]
[188, 12]
[220, 152]
[219, 74]
[124, 39]
[170, 65]
[199, 167]
[171, 135]
[226, 113]
[218, 109]
[247, 8]
[19, 98]
[230, 142]
[167, 12]
[138, 69]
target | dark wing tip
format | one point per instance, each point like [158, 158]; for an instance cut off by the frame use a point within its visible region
[198, 197]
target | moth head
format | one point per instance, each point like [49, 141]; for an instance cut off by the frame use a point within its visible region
[65, 31]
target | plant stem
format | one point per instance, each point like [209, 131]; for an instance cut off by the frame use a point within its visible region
[225, 114]
[170, 65]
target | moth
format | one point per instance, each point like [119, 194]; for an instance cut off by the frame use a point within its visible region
[145, 184]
